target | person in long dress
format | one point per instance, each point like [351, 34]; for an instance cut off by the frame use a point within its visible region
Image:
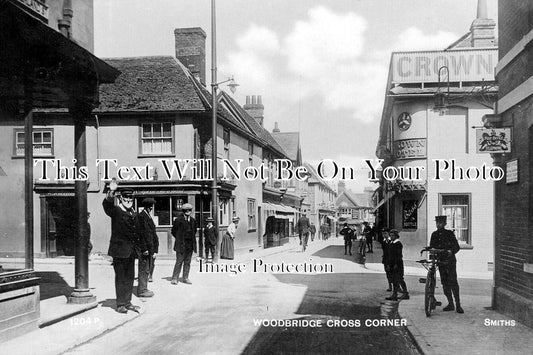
[227, 248]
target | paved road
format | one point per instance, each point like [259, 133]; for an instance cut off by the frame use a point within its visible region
[217, 313]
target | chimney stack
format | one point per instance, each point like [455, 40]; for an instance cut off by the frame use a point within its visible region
[276, 128]
[255, 108]
[190, 50]
[482, 28]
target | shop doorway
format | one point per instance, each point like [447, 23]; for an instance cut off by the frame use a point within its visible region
[59, 226]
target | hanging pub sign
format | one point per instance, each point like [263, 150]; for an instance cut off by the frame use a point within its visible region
[410, 214]
[493, 140]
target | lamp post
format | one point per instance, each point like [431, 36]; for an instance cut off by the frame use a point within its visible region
[441, 99]
[214, 88]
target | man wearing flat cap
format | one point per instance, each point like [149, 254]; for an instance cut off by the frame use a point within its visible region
[184, 230]
[149, 244]
[445, 239]
[124, 245]
[211, 238]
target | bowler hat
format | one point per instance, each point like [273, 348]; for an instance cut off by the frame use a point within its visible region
[187, 206]
[440, 218]
[148, 201]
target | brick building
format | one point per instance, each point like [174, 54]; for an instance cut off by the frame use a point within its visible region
[513, 293]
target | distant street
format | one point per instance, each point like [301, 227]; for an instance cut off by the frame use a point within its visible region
[216, 314]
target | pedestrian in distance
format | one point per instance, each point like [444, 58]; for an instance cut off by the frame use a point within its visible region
[210, 239]
[124, 244]
[386, 258]
[445, 239]
[369, 235]
[184, 231]
[149, 243]
[312, 230]
[362, 239]
[303, 231]
[347, 233]
[396, 267]
[227, 247]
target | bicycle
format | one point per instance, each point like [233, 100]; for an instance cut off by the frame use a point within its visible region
[431, 264]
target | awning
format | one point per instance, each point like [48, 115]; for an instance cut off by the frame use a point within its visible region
[332, 218]
[29, 43]
[279, 208]
[382, 202]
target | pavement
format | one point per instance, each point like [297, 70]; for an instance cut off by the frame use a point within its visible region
[480, 330]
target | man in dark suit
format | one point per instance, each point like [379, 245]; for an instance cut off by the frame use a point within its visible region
[211, 238]
[124, 245]
[445, 239]
[303, 231]
[149, 243]
[184, 230]
[347, 232]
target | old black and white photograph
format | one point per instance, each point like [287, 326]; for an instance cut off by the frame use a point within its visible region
[266, 177]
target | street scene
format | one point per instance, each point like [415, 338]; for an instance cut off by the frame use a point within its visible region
[266, 177]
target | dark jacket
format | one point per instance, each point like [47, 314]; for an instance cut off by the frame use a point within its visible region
[395, 255]
[211, 235]
[347, 232]
[147, 235]
[445, 239]
[385, 259]
[312, 229]
[124, 238]
[185, 234]
[303, 225]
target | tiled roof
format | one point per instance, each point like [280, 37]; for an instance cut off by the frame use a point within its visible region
[289, 141]
[151, 84]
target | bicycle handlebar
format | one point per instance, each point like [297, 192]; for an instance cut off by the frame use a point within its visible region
[434, 250]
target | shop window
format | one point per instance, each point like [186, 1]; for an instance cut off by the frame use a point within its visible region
[252, 214]
[166, 208]
[457, 209]
[43, 142]
[410, 214]
[157, 138]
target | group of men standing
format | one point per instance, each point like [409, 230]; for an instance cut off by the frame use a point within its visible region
[133, 236]
[441, 239]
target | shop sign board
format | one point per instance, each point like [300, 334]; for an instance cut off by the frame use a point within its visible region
[410, 148]
[463, 65]
[511, 171]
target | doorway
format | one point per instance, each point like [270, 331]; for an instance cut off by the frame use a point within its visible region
[59, 226]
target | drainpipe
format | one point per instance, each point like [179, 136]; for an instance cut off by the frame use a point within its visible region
[65, 24]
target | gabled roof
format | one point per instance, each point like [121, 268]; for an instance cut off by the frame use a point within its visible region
[252, 124]
[356, 199]
[314, 176]
[151, 84]
[290, 141]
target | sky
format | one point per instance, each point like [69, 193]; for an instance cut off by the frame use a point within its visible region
[320, 66]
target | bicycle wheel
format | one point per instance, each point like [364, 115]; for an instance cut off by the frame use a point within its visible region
[429, 298]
